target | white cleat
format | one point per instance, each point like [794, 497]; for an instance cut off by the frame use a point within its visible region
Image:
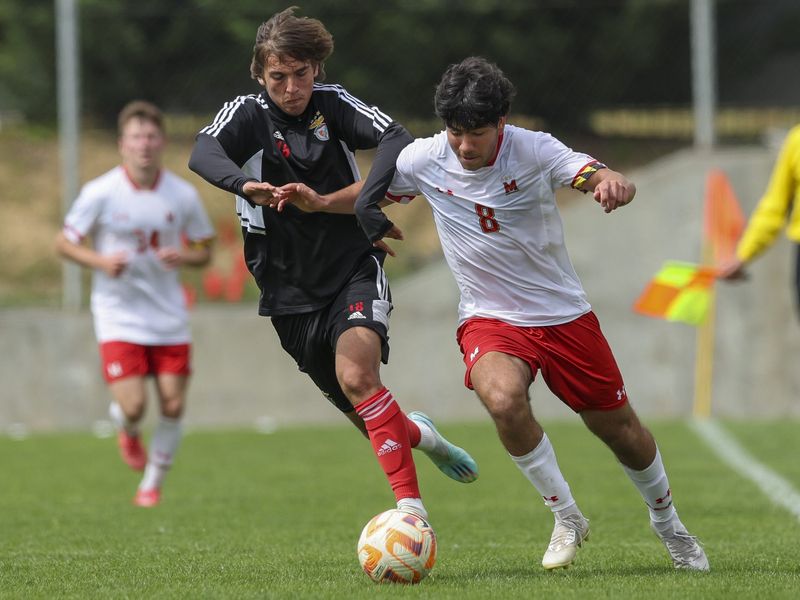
[413, 506]
[568, 535]
[684, 549]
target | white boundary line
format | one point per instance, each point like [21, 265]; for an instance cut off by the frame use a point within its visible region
[775, 487]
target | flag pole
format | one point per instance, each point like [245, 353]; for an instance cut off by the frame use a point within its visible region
[704, 355]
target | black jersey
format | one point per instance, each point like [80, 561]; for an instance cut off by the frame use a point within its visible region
[299, 260]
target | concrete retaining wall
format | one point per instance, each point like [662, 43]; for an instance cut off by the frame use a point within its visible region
[51, 381]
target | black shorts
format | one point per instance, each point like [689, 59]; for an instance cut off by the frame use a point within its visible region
[310, 338]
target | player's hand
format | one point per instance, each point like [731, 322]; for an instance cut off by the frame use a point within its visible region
[733, 270]
[261, 193]
[614, 192]
[302, 196]
[394, 233]
[114, 264]
[170, 257]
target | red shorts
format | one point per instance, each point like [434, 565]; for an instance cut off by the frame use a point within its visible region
[123, 359]
[574, 358]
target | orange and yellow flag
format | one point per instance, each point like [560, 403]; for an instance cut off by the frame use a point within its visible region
[679, 292]
[723, 219]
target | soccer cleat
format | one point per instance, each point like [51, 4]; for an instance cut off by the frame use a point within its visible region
[147, 498]
[133, 453]
[414, 507]
[568, 535]
[684, 549]
[453, 461]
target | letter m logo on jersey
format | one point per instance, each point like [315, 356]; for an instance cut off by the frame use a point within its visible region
[510, 186]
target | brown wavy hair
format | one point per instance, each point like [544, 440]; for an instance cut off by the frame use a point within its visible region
[285, 35]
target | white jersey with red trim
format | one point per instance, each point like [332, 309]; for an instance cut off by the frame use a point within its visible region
[145, 304]
[499, 226]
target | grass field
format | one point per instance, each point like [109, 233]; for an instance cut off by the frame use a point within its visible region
[246, 515]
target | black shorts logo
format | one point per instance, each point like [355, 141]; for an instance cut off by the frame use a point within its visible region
[356, 311]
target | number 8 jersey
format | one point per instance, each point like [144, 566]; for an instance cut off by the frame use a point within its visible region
[499, 225]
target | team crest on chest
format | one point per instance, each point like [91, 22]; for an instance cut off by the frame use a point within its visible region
[320, 128]
[509, 185]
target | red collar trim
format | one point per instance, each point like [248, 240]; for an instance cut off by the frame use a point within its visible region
[496, 150]
[136, 186]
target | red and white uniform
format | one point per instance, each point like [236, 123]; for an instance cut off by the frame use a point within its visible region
[145, 304]
[499, 226]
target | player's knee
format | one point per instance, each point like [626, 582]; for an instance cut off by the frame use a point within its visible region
[622, 436]
[505, 405]
[358, 383]
[172, 407]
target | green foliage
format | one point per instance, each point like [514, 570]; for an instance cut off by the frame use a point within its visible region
[277, 516]
[27, 58]
[565, 56]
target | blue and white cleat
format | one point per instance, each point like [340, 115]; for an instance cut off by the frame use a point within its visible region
[453, 461]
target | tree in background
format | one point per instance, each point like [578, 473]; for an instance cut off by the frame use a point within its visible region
[599, 53]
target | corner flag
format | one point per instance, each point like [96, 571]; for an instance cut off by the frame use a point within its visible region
[679, 292]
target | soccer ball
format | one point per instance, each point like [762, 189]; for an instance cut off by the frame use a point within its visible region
[398, 547]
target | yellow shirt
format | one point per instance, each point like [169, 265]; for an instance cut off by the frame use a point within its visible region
[781, 202]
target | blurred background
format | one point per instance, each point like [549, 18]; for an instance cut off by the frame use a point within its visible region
[613, 78]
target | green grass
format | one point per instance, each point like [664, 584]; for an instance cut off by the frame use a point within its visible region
[277, 516]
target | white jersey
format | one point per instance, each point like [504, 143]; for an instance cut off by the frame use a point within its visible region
[145, 304]
[499, 226]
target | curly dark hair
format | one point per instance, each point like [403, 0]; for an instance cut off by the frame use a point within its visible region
[472, 94]
[285, 35]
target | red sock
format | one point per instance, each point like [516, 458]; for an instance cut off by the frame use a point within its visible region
[414, 435]
[389, 433]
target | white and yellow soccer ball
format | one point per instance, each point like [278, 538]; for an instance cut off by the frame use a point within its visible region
[397, 547]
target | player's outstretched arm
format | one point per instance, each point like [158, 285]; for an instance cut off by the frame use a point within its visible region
[733, 270]
[371, 218]
[610, 189]
[394, 233]
[306, 199]
[209, 160]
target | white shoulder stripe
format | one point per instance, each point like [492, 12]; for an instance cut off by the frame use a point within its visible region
[226, 113]
[379, 119]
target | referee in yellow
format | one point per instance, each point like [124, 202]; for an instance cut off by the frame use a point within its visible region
[779, 208]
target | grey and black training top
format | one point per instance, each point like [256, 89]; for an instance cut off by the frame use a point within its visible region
[299, 260]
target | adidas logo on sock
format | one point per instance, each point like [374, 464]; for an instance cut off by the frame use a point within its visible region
[356, 315]
[388, 446]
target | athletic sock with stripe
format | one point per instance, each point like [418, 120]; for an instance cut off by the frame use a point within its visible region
[653, 485]
[389, 435]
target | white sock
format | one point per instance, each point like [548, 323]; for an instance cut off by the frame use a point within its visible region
[413, 505]
[541, 468]
[653, 485]
[163, 446]
[121, 421]
[428, 440]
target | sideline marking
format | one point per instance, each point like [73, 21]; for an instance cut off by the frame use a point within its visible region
[775, 487]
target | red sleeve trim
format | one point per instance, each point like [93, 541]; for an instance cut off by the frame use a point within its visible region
[399, 198]
[72, 234]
